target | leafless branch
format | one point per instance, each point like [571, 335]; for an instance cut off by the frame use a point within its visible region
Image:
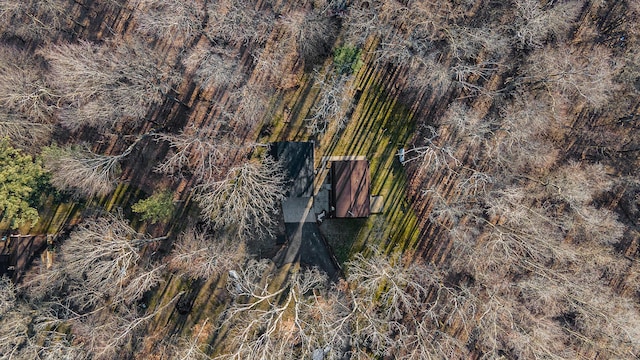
[239, 22]
[199, 151]
[266, 323]
[333, 105]
[101, 258]
[80, 170]
[217, 67]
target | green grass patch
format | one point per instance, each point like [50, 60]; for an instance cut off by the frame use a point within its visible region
[380, 126]
[347, 59]
[341, 234]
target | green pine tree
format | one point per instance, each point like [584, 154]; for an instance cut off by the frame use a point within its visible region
[157, 207]
[19, 175]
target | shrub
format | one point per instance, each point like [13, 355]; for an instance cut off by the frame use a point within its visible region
[157, 207]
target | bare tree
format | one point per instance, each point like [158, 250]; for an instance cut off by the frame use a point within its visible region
[398, 309]
[361, 21]
[167, 19]
[522, 143]
[22, 132]
[35, 20]
[239, 22]
[603, 322]
[178, 348]
[30, 331]
[555, 315]
[577, 184]
[409, 52]
[78, 169]
[23, 89]
[332, 106]
[569, 73]
[7, 295]
[466, 43]
[106, 334]
[524, 121]
[92, 294]
[42, 282]
[496, 328]
[269, 319]
[200, 255]
[55, 347]
[279, 58]
[312, 32]
[102, 258]
[189, 350]
[431, 74]
[27, 100]
[14, 331]
[468, 127]
[26, 331]
[431, 154]
[521, 235]
[246, 200]
[535, 23]
[102, 85]
[217, 67]
[82, 171]
[254, 99]
[386, 18]
[49, 337]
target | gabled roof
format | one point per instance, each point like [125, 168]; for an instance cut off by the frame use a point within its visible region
[350, 183]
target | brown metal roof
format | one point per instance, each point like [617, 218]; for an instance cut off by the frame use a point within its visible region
[350, 182]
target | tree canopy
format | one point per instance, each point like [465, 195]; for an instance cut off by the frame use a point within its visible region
[18, 177]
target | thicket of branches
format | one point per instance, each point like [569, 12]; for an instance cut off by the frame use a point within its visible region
[103, 85]
[532, 240]
[383, 308]
[197, 254]
[28, 101]
[86, 305]
[34, 20]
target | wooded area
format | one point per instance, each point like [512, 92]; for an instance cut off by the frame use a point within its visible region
[134, 138]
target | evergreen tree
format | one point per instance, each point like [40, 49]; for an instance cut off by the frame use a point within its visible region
[18, 178]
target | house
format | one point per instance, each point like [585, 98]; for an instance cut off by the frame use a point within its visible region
[350, 188]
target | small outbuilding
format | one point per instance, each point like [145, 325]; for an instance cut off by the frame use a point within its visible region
[350, 188]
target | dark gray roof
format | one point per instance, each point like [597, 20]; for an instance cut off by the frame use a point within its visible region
[297, 159]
